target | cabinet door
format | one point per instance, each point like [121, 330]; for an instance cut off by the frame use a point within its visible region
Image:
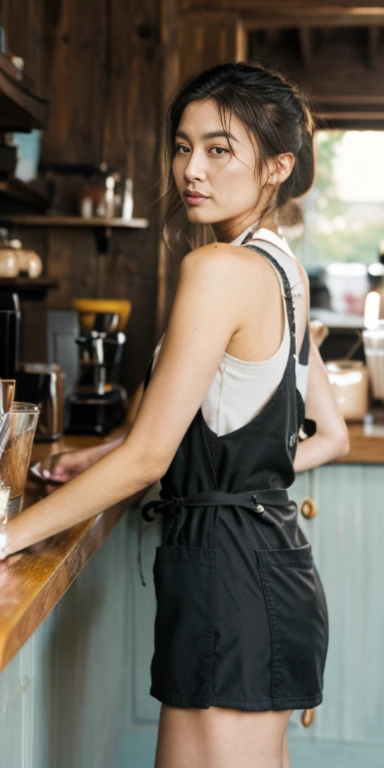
[347, 535]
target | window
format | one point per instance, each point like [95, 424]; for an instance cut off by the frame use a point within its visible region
[344, 211]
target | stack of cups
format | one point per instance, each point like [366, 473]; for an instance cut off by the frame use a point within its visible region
[374, 352]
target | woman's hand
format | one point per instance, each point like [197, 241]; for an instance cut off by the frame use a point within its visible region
[64, 466]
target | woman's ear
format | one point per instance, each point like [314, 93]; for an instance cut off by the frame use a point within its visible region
[280, 167]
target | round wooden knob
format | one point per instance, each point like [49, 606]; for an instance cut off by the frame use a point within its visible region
[307, 717]
[308, 508]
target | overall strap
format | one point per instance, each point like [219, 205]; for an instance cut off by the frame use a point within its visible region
[287, 293]
[304, 351]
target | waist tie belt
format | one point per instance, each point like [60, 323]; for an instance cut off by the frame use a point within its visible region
[252, 500]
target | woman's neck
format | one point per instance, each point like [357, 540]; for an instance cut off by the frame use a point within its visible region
[228, 232]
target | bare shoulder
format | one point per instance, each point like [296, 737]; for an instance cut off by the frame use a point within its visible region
[225, 260]
[213, 254]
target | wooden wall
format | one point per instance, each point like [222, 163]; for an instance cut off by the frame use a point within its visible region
[109, 69]
[98, 62]
[335, 50]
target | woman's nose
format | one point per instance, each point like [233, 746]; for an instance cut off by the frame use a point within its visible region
[195, 168]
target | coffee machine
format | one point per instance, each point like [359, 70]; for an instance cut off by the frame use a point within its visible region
[98, 402]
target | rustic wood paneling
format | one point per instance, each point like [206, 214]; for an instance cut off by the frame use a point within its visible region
[335, 50]
[208, 39]
[76, 35]
[99, 63]
[24, 24]
[338, 72]
[109, 69]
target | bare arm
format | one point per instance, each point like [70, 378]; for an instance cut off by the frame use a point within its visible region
[202, 321]
[331, 439]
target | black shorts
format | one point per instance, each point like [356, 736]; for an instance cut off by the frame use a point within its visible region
[241, 617]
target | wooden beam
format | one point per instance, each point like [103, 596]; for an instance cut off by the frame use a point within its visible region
[373, 46]
[272, 37]
[276, 8]
[288, 21]
[305, 37]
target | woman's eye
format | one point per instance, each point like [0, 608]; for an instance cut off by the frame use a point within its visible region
[179, 149]
[221, 150]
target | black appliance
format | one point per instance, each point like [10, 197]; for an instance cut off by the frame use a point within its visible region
[10, 331]
[98, 403]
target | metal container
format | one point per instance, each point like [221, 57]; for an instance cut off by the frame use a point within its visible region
[43, 384]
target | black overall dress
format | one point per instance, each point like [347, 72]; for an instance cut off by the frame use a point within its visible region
[241, 618]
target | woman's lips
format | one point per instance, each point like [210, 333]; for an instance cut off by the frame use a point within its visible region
[193, 200]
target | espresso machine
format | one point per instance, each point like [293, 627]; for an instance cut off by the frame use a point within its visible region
[98, 403]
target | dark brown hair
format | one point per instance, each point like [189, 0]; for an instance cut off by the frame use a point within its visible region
[273, 110]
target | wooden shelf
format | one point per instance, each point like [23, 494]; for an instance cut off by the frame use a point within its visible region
[73, 221]
[31, 289]
[20, 109]
[28, 282]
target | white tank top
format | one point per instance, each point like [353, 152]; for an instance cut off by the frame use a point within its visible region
[241, 388]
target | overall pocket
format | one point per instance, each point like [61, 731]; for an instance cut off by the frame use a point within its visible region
[181, 666]
[298, 619]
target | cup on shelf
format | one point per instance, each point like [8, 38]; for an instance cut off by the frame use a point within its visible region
[17, 432]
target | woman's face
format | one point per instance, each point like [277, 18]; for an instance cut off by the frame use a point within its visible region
[203, 162]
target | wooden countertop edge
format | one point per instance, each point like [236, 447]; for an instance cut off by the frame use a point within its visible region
[57, 562]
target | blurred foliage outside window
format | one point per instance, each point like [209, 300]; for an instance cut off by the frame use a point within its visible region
[344, 210]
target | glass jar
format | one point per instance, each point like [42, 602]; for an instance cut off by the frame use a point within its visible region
[349, 380]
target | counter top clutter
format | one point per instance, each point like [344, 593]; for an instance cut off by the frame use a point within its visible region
[32, 582]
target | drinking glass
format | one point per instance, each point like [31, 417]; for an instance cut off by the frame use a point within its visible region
[17, 432]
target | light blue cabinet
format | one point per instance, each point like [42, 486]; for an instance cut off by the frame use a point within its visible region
[347, 535]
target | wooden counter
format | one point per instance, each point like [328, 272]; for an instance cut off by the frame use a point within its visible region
[366, 448]
[32, 582]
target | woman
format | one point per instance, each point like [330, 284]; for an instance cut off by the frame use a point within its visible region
[241, 627]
